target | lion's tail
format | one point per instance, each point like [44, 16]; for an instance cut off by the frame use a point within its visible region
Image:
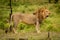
[11, 18]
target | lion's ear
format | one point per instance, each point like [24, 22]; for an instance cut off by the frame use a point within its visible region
[42, 10]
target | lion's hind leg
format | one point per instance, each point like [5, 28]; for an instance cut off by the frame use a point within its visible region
[15, 24]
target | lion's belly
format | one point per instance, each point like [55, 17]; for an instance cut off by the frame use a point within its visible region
[29, 19]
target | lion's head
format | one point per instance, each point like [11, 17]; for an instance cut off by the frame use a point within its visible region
[42, 13]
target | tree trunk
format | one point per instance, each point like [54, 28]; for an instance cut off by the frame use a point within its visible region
[10, 15]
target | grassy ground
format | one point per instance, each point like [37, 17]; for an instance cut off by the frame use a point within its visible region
[29, 36]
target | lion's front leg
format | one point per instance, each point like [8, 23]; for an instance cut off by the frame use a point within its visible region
[37, 26]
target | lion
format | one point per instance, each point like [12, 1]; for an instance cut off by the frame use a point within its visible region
[35, 18]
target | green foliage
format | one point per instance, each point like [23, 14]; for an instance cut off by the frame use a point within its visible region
[25, 27]
[1, 25]
[58, 9]
[52, 23]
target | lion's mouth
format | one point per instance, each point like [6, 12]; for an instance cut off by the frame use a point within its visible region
[47, 16]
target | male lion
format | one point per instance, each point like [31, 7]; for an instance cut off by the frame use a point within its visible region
[36, 18]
